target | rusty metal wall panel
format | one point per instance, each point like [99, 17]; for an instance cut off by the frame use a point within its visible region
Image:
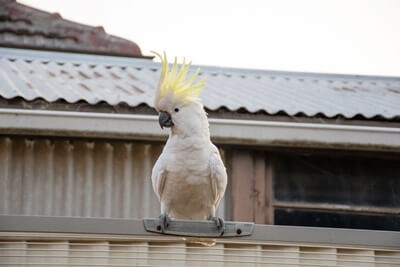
[77, 178]
[243, 186]
[250, 186]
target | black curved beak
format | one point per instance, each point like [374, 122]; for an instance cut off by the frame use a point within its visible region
[165, 120]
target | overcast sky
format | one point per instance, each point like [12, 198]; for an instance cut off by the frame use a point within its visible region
[340, 36]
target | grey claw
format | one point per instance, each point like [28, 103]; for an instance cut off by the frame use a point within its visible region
[164, 222]
[219, 222]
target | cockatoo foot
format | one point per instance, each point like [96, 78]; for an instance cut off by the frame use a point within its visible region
[164, 222]
[219, 222]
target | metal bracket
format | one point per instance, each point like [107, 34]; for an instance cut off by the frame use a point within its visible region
[199, 228]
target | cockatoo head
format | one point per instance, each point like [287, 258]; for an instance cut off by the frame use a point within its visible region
[177, 99]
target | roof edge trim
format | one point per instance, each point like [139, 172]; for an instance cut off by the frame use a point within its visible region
[223, 131]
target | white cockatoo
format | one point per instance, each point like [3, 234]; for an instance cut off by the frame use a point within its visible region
[189, 178]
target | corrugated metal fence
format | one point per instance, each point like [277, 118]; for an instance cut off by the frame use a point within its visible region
[72, 177]
[77, 178]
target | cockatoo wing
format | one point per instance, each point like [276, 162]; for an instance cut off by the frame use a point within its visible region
[158, 176]
[218, 177]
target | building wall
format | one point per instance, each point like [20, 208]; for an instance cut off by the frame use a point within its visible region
[58, 177]
[111, 179]
[71, 177]
[309, 187]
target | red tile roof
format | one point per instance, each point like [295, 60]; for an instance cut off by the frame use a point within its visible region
[22, 26]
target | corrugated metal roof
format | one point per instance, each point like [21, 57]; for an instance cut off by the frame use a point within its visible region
[27, 27]
[73, 77]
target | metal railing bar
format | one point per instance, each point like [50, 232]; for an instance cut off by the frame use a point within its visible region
[197, 254]
[269, 233]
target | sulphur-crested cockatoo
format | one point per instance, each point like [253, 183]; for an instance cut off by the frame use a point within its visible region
[189, 177]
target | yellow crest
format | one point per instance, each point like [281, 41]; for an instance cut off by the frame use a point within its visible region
[173, 81]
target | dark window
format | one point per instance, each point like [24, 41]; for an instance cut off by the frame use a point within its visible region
[332, 219]
[349, 180]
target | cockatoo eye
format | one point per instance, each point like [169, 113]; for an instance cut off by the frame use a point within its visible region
[176, 109]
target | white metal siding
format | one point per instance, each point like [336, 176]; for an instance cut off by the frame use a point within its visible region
[106, 251]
